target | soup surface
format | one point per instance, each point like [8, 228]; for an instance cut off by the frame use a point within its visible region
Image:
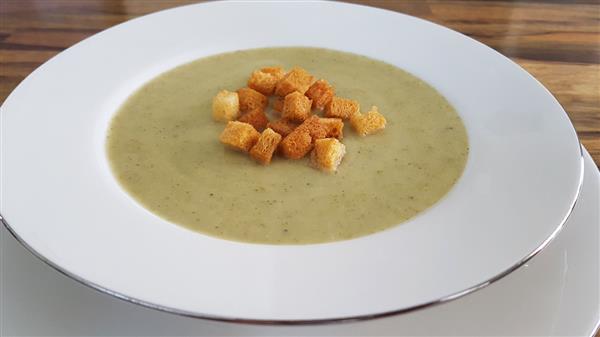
[164, 149]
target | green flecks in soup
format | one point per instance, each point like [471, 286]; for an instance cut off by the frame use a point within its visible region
[164, 149]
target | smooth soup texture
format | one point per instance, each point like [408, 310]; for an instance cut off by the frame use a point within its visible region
[164, 150]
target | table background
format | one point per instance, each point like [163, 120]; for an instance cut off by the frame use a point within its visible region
[556, 41]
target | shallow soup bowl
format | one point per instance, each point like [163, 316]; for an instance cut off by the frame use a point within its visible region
[60, 199]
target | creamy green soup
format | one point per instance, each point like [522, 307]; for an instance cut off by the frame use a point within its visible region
[164, 150]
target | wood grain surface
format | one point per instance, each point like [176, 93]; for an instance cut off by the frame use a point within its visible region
[556, 41]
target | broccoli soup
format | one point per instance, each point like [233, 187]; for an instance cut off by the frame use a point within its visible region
[163, 147]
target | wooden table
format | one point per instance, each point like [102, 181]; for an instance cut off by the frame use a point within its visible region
[557, 41]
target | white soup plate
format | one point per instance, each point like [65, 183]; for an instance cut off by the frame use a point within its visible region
[60, 199]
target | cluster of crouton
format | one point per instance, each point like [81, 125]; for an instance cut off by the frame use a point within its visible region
[298, 131]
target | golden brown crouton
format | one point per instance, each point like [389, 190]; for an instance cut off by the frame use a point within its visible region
[240, 136]
[296, 107]
[275, 71]
[368, 123]
[297, 144]
[251, 99]
[341, 108]
[282, 126]
[320, 93]
[314, 127]
[278, 104]
[226, 106]
[264, 80]
[334, 127]
[256, 118]
[327, 154]
[297, 79]
[266, 145]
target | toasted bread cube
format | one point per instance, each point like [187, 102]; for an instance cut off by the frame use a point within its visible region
[327, 154]
[334, 127]
[296, 107]
[278, 72]
[278, 104]
[266, 145]
[226, 106]
[296, 79]
[239, 136]
[264, 80]
[366, 124]
[341, 108]
[282, 126]
[256, 118]
[321, 93]
[251, 99]
[314, 127]
[297, 144]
